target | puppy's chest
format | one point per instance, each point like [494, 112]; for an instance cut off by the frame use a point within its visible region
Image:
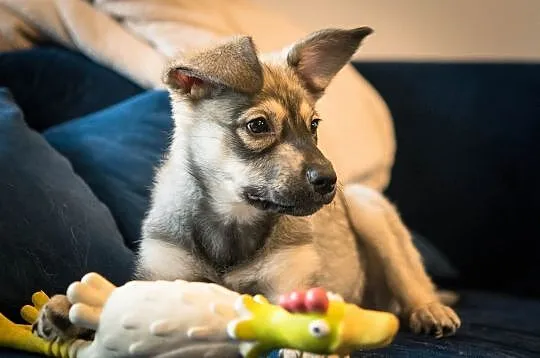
[229, 249]
[226, 245]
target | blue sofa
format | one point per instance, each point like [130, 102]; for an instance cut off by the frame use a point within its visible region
[76, 173]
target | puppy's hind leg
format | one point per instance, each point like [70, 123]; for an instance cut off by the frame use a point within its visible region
[388, 241]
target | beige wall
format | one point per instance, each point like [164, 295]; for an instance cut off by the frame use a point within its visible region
[429, 29]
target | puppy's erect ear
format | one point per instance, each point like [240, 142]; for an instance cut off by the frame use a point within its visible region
[319, 57]
[232, 64]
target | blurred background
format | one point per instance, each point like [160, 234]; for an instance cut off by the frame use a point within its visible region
[492, 30]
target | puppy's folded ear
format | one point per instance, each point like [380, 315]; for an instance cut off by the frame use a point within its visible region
[319, 57]
[232, 64]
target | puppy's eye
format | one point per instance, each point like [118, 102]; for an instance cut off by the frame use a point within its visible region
[314, 125]
[258, 125]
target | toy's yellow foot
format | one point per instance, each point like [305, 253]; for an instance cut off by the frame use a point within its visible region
[30, 313]
[20, 337]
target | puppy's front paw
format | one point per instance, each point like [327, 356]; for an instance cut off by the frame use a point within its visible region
[291, 353]
[434, 318]
[53, 321]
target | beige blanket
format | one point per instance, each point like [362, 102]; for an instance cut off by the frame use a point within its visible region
[135, 37]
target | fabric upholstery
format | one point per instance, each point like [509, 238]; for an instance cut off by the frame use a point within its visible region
[116, 151]
[37, 80]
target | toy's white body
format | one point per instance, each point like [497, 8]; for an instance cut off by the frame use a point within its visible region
[165, 319]
[153, 319]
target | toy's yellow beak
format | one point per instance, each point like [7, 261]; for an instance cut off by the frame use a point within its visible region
[366, 329]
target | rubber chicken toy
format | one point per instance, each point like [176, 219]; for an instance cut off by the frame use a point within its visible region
[169, 318]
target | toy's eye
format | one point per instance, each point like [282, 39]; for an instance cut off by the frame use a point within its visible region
[319, 329]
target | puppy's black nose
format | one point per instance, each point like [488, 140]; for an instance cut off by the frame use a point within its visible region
[323, 179]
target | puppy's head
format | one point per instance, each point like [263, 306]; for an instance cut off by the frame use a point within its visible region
[249, 122]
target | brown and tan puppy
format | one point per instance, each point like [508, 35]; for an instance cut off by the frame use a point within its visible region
[244, 197]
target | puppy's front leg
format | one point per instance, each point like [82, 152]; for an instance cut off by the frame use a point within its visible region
[161, 260]
[387, 239]
[281, 271]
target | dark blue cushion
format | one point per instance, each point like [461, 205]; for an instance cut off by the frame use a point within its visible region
[53, 229]
[468, 164]
[116, 151]
[53, 85]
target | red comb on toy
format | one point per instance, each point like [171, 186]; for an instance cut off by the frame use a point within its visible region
[314, 300]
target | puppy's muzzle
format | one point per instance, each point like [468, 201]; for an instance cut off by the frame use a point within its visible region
[322, 178]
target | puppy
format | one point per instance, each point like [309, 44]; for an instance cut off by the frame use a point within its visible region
[245, 199]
